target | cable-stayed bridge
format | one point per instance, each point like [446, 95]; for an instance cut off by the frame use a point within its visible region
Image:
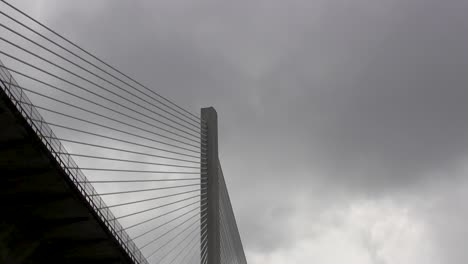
[96, 167]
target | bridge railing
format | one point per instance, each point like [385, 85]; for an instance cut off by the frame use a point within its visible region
[49, 139]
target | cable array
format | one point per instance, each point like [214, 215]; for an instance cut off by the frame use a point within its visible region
[231, 247]
[142, 154]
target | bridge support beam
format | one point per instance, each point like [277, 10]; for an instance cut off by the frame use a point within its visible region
[209, 124]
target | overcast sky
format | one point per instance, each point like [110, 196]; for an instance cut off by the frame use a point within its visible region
[343, 128]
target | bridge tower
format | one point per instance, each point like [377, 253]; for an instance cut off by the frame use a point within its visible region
[210, 165]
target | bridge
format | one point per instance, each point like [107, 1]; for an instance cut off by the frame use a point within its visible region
[96, 167]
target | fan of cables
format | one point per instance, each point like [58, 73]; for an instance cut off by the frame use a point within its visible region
[141, 153]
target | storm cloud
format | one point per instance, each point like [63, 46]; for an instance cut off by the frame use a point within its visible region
[343, 131]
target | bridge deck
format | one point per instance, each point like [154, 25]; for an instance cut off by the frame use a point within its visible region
[43, 216]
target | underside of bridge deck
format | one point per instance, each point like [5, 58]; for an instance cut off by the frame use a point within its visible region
[43, 217]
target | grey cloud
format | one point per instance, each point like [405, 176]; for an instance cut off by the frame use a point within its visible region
[391, 103]
[321, 98]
